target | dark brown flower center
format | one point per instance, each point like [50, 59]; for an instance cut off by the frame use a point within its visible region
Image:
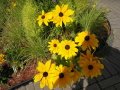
[87, 38]
[55, 45]
[67, 47]
[43, 16]
[61, 75]
[72, 70]
[90, 67]
[45, 74]
[60, 14]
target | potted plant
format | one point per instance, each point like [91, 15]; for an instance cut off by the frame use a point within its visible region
[56, 40]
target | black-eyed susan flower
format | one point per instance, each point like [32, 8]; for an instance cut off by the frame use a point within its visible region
[76, 75]
[89, 56]
[44, 74]
[14, 4]
[2, 60]
[44, 18]
[86, 40]
[62, 76]
[91, 68]
[61, 15]
[53, 46]
[67, 49]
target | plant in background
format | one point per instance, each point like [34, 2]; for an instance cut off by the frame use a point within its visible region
[2, 60]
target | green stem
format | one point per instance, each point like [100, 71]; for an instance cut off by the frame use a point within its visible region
[63, 27]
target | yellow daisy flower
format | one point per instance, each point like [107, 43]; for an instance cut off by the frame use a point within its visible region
[53, 47]
[14, 4]
[67, 49]
[45, 17]
[44, 72]
[91, 68]
[86, 40]
[88, 56]
[62, 76]
[61, 15]
[2, 58]
[94, 6]
[75, 73]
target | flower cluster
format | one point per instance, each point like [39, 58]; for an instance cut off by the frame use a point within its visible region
[66, 48]
[60, 75]
[59, 16]
[51, 75]
[70, 63]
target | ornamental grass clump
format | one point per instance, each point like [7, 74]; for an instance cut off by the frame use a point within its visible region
[61, 36]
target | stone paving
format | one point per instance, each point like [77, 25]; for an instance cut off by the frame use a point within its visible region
[110, 80]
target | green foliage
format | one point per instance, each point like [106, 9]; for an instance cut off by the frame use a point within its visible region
[29, 18]
[37, 48]
[80, 5]
[36, 45]
[46, 5]
[22, 38]
[16, 56]
[90, 17]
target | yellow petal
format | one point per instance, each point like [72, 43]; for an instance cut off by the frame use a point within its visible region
[40, 23]
[50, 84]
[57, 8]
[49, 15]
[88, 53]
[47, 65]
[69, 12]
[38, 77]
[57, 24]
[46, 23]
[39, 17]
[61, 23]
[53, 66]
[41, 67]
[43, 12]
[84, 47]
[64, 8]
[42, 83]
